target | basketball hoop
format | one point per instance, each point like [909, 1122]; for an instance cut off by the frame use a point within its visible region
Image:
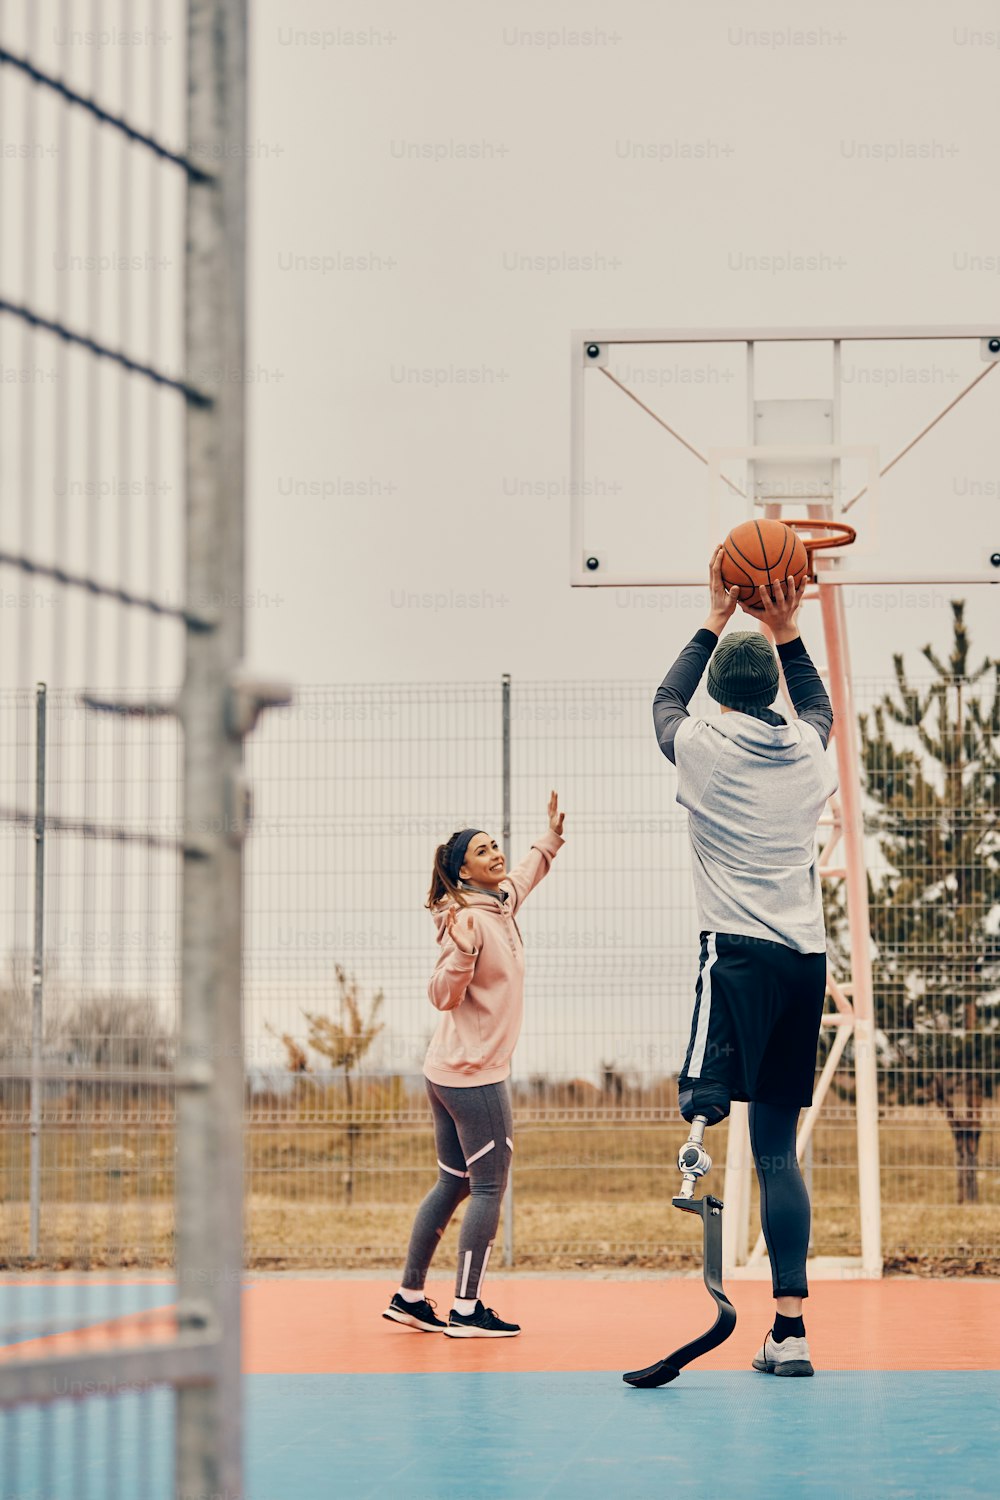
[835, 534]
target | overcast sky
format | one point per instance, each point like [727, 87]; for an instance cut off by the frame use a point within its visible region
[439, 196]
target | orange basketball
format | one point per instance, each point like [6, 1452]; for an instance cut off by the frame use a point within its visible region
[757, 552]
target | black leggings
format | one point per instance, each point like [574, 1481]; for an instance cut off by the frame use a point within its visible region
[473, 1132]
[784, 1202]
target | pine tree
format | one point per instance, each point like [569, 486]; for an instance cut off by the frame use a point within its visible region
[934, 910]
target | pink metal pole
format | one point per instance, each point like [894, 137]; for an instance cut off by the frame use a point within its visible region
[856, 880]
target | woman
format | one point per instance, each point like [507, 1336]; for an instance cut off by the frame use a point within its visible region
[478, 984]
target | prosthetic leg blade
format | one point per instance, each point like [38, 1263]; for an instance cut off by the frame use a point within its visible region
[667, 1369]
[653, 1375]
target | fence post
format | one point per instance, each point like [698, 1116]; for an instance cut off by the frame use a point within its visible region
[35, 1170]
[210, 1077]
[508, 1197]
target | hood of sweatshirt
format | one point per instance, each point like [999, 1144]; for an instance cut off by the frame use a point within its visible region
[772, 741]
[476, 900]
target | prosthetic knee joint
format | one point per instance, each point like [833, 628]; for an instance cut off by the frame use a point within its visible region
[692, 1159]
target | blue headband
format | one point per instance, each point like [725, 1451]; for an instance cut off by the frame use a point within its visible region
[456, 859]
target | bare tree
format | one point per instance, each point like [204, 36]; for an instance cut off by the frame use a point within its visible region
[344, 1041]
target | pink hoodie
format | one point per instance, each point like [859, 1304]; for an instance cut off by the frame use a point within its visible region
[482, 993]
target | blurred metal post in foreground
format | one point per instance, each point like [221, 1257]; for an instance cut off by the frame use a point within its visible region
[210, 1052]
[508, 1197]
[37, 965]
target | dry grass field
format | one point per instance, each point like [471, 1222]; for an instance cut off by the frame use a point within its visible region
[587, 1194]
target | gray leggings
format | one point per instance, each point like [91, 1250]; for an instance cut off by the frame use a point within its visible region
[784, 1202]
[474, 1136]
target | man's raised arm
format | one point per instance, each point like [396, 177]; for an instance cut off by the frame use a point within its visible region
[678, 687]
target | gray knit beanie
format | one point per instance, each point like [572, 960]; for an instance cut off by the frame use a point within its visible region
[743, 672]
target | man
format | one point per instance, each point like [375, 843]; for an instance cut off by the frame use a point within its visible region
[754, 787]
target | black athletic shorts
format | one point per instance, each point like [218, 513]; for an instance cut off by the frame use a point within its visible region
[756, 1019]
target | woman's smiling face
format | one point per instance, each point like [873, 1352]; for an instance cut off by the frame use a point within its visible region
[484, 862]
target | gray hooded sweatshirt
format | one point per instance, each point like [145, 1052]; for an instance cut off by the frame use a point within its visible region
[754, 788]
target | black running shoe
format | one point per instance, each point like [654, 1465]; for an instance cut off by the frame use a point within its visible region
[414, 1314]
[483, 1323]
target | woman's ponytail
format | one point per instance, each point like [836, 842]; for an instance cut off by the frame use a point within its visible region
[441, 882]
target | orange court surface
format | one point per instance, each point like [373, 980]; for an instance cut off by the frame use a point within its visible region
[337, 1400]
[582, 1324]
[320, 1325]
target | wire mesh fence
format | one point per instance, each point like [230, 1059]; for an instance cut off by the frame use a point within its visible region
[357, 785]
[94, 1094]
[117, 212]
[354, 787]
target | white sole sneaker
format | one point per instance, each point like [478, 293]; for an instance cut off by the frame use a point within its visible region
[481, 1333]
[483, 1323]
[409, 1321]
[790, 1357]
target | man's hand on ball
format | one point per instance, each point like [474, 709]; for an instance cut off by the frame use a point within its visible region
[723, 601]
[777, 606]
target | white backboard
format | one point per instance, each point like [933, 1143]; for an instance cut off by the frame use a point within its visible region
[679, 435]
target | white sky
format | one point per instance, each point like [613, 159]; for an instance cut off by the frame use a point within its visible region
[439, 194]
[782, 127]
[345, 138]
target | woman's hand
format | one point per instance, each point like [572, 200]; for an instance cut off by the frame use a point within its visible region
[555, 816]
[778, 612]
[723, 600]
[462, 936]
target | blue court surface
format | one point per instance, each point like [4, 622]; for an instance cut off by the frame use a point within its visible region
[565, 1436]
[853, 1431]
[24, 1309]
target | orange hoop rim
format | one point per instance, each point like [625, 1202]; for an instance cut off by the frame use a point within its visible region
[843, 537]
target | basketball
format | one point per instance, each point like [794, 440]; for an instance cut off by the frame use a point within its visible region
[757, 552]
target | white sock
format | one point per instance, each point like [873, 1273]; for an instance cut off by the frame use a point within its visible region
[465, 1305]
[410, 1296]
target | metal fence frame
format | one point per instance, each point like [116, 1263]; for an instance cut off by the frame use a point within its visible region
[354, 770]
[344, 776]
[217, 709]
[210, 1064]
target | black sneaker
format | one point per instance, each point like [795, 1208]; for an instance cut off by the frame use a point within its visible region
[483, 1323]
[414, 1314]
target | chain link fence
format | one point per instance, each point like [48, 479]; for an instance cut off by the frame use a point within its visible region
[354, 787]
[121, 292]
[89, 1029]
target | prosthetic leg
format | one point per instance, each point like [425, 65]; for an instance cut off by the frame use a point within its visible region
[694, 1161]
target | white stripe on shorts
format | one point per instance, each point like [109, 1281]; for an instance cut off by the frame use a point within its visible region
[510, 1143]
[477, 1154]
[704, 1011]
[465, 1273]
[453, 1170]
